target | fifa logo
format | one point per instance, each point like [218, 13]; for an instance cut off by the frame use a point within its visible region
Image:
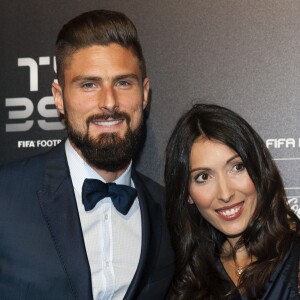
[21, 109]
[295, 206]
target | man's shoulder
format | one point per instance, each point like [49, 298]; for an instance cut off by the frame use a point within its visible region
[150, 183]
[31, 164]
[22, 164]
[151, 189]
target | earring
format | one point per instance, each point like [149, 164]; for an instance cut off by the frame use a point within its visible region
[190, 201]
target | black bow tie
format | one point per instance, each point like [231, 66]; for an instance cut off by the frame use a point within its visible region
[94, 190]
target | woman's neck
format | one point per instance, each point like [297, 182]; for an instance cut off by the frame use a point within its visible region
[235, 261]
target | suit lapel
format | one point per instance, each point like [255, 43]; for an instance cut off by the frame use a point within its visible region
[148, 208]
[59, 209]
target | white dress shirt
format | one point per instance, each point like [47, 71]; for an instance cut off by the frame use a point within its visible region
[112, 240]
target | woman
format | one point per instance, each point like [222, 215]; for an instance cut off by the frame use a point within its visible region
[233, 233]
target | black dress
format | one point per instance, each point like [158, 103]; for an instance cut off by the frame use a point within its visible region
[284, 281]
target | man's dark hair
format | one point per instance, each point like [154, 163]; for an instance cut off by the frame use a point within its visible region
[98, 27]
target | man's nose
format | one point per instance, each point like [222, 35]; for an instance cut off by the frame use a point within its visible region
[108, 101]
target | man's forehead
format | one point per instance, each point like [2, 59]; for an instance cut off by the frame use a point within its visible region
[112, 55]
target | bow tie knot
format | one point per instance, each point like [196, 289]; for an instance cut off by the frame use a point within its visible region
[94, 190]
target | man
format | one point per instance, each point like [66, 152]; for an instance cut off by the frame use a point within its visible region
[58, 238]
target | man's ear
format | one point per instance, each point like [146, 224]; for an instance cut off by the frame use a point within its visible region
[58, 97]
[146, 87]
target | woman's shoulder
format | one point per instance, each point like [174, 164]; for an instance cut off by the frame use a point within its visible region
[294, 269]
[293, 256]
[296, 246]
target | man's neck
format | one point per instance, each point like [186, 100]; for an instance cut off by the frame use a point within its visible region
[109, 176]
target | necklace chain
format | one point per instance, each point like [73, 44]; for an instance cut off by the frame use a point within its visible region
[239, 270]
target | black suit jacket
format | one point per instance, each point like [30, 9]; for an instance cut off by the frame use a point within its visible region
[42, 251]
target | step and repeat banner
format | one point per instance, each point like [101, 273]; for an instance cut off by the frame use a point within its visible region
[244, 55]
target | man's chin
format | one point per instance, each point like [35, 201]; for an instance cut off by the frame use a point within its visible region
[107, 150]
[108, 155]
[105, 134]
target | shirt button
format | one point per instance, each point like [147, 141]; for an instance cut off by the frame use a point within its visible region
[106, 217]
[107, 264]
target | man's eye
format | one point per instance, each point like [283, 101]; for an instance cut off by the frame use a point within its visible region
[88, 85]
[123, 83]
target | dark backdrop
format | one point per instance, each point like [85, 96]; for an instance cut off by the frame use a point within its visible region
[241, 54]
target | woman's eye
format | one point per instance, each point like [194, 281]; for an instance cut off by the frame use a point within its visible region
[202, 177]
[239, 167]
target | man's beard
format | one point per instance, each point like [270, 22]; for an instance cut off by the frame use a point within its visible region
[108, 151]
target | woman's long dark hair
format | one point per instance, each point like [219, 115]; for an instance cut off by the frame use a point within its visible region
[268, 235]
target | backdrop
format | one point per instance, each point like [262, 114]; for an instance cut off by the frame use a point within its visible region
[244, 55]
